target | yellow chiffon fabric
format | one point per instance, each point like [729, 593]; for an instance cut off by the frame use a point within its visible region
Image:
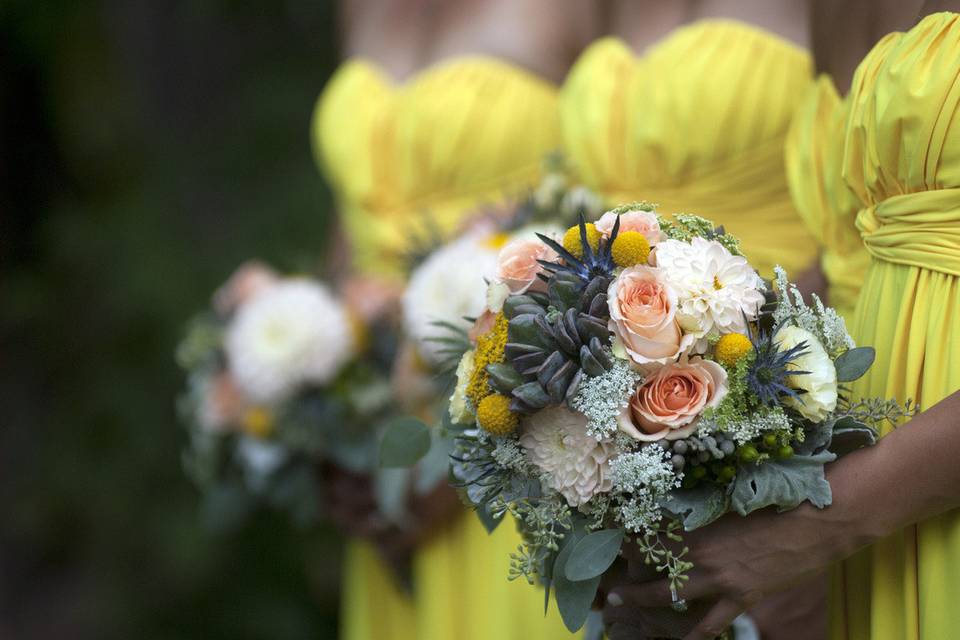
[697, 124]
[813, 154]
[902, 159]
[432, 151]
[463, 134]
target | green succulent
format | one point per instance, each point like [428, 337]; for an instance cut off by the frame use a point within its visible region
[553, 340]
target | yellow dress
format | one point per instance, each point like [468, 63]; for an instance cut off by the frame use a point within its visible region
[902, 159]
[696, 124]
[813, 154]
[430, 151]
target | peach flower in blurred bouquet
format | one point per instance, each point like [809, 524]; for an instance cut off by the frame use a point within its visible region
[518, 266]
[248, 280]
[668, 403]
[643, 222]
[643, 310]
[222, 403]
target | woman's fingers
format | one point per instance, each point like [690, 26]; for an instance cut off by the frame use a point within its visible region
[659, 622]
[656, 593]
[717, 621]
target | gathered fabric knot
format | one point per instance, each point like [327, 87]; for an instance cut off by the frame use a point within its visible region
[920, 229]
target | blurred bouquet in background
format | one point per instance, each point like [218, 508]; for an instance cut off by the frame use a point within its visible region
[633, 378]
[282, 375]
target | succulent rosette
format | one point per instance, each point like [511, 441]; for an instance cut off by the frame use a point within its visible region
[634, 377]
[281, 376]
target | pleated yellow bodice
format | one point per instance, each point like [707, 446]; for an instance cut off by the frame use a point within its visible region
[432, 151]
[814, 155]
[459, 135]
[697, 124]
[902, 160]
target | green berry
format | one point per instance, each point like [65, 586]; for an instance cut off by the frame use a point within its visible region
[749, 453]
[770, 440]
[727, 473]
[698, 472]
[784, 452]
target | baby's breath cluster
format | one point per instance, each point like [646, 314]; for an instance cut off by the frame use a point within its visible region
[602, 398]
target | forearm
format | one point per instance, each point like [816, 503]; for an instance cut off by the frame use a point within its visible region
[910, 475]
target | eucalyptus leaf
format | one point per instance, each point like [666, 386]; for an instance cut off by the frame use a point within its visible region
[405, 441]
[782, 483]
[852, 364]
[487, 519]
[390, 488]
[593, 554]
[435, 466]
[574, 599]
[697, 507]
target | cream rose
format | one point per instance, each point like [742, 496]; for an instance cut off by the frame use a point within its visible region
[643, 222]
[643, 316]
[820, 383]
[517, 263]
[670, 401]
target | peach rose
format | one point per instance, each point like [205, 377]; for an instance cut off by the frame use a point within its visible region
[643, 316]
[247, 281]
[222, 403]
[669, 402]
[517, 265]
[643, 222]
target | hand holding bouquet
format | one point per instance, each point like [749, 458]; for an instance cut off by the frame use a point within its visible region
[647, 382]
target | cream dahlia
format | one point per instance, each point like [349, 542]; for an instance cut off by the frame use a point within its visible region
[293, 333]
[820, 381]
[716, 289]
[573, 463]
[447, 287]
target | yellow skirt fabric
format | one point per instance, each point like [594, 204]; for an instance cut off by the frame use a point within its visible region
[907, 587]
[461, 592]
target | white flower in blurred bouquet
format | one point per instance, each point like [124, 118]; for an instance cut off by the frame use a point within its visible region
[447, 287]
[292, 333]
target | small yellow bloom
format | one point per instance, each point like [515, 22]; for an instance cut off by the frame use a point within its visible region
[630, 248]
[572, 243]
[490, 350]
[494, 415]
[496, 240]
[257, 422]
[731, 347]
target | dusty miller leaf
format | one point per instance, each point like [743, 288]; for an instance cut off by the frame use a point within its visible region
[782, 483]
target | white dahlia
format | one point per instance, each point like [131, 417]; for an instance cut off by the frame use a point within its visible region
[573, 463]
[715, 287]
[292, 333]
[820, 383]
[448, 286]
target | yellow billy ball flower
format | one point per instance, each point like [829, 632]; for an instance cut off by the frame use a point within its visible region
[731, 347]
[494, 415]
[630, 248]
[490, 348]
[257, 423]
[572, 243]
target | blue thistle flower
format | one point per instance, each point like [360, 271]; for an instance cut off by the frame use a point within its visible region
[592, 265]
[767, 376]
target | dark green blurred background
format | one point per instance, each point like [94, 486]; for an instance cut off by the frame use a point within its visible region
[147, 149]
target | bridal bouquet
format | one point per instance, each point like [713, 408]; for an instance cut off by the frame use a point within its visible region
[633, 378]
[280, 376]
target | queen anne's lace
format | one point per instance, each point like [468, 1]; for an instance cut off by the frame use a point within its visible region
[602, 398]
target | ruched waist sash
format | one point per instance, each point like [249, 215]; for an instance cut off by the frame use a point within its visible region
[919, 229]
